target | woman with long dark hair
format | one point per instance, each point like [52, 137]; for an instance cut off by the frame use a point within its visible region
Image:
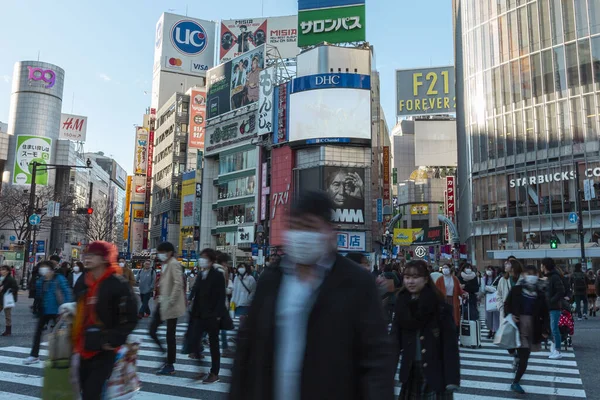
[489, 283]
[512, 273]
[468, 278]
[425, 333]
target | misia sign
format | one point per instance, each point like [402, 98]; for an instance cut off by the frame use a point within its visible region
[337, 24]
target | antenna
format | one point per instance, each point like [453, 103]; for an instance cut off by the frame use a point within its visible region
[186, 10]
[38, 55]
[73, 102]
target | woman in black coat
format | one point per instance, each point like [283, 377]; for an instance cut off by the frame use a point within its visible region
[425, 332]
[468, 278]
[7, 282]
[527, 304]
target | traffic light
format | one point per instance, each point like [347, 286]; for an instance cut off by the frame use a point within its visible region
[85, 211]
[554, 243]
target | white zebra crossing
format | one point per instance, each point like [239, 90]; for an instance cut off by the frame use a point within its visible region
[486, 373]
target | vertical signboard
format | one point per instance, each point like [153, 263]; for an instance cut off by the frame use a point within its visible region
[386, 175]
[282, 104]
[264, 192]
[197, 119]
[265, 101]
[188, 200]
[127, 209]
[450, 200]
[30, 149]
[164, 227]
[141, 151]
[379, 210]
[282, 165]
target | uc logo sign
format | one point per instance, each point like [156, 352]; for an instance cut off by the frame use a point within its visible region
[189, 37]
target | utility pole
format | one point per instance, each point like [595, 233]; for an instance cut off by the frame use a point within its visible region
[580, 217]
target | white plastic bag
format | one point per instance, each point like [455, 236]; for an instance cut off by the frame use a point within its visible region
[491, 301]
[124, 382]
[508, 336]
[8, 300]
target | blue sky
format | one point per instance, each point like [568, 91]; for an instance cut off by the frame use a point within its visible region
[107, 50]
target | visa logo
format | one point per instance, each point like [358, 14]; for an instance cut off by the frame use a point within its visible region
[199, 67]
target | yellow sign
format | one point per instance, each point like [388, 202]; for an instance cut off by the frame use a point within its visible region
[419, 209]
[188, 200]
[127, 205]
[405, 237]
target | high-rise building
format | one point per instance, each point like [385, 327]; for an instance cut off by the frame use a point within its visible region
[529, 90]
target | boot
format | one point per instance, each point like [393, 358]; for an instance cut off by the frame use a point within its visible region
[8, 331]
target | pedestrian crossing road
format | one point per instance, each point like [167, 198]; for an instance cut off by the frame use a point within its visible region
[486, 374]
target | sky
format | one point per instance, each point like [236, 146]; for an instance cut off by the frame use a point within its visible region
[107, 49]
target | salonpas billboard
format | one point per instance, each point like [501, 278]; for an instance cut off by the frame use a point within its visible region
[30, 149]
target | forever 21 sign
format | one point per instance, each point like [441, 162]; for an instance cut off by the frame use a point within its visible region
[231, 133]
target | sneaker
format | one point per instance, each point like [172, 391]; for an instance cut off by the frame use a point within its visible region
[211, 378]
[515, 387]
[201, 376]
[167, 369]
[31, 360]
[556, 355]
[578, 319]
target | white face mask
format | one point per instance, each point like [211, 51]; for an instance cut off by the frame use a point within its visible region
[1, 278]
[121, 265]
[76, 269]
[531, 279]
[446, 271]
[203, 263]
[468, 270]
[162, 256]
[305, 247]
[488, 273]
[43, 271]
[242, 271]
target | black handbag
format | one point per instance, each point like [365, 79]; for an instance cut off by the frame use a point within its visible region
[93, 338]
[226, 323]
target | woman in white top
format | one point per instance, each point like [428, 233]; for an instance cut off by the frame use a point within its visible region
[512, 272]
[244, 287]
[489, 282]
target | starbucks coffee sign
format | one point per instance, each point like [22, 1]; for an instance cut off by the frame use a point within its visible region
[549, 178]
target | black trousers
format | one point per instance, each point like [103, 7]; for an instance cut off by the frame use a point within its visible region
[42, 321]
[522, 356]
[171, 328]
[210, 326]
[94, 373]
[145, 298]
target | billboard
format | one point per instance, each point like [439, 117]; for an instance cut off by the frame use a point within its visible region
[435, 143]
[140, 163]
[425, 91]
[351, 241]
[405, 237]
[347, 190]
[197, 119]
[29, 149]
[127, 209]
[386, 175]
[339, 24]
[265, 101]
[281, 103]
[188, 200]
[282, 165]
[428, 236]
[243, 35]
[72, 127]
[230, 132]
[119, 175]
[312, 4]
[184, 45]
[234, 84]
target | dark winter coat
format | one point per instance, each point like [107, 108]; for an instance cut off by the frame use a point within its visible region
[438, 341]
[541, 316]
[9, 283]
[579, 282]
[348, 352]
[209, 295]
[555, 291]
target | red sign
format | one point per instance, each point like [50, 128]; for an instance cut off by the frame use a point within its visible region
[450, 197]
[148, 181]
[282, 164]
[197, 119]
[282, 114]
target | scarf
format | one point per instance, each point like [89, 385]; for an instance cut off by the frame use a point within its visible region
[468, 277]
[86, 309]
[528, 289]
[417, 311]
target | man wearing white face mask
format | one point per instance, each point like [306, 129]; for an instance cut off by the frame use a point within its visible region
[315, 329]
[171, 303]
[127, 272]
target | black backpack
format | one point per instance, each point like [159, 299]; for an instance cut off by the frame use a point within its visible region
[579, 282]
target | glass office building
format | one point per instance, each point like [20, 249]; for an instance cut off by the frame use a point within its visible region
[531, 77]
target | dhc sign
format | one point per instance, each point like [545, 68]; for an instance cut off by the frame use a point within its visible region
[330, 81]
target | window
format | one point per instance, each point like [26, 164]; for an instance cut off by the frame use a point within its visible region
[564, 123]
[596, 60]
[506, 84]
[556, 21]
[569, 19]
[546, 33]
[540, 128]
[515, 81]
[560, 71]
[519, 132]
[183, 128]
[572, 68]
[237, 188]
[529, 130]
[590, 117]
[536, 83]
[491, 136]
[585, 66]
[526, 80]
[501, 135]
[504, 41]
[523, 31]
[577, 123]
[551, 124]
[581, 18]
[475, 141]
[548, 70]
[237, 162]
[514, 34]
[497, 89]
[510, 135]
[594, 8]
[534, 27]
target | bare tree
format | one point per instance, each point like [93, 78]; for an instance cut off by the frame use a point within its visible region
[14, 209]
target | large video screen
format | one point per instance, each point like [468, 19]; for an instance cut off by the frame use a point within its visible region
[330, 113]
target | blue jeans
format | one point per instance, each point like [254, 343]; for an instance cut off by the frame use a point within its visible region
[145, 298]
[554, 317]
[241, 311]
[224, 345]
[578, 300]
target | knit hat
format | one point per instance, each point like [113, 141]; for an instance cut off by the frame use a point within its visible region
[104, 249]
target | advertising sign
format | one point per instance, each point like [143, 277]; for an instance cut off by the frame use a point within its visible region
[425, 91]
[245, 234]
[312, 4]
[428, 236]
[127, 209]
[30, 149]
[450, 197]
[386, 174]
[231, 132]
[184, 44]
[333, 25]
[265, 101]
[188, 201]
[235, 83]
[164, 227]
[197, 119]
[140, 162]
[419, 209]
[137, 234]
[282, 165]
[351, 241]
[45, 78]
[281, 114]
[405, 237]
[72, 127]
[379, 208]
[243, 35]
[346, 188]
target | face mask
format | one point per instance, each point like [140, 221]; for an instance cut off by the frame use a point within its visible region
[75, 269]
[488, 273]
[531, 279]
[267, 264]
[121, 265]
[468, 270]
[162, 256]
[305, 247]
[446, 271]
[1, 278]
[203, 263]
[242, 271]
[44, 271]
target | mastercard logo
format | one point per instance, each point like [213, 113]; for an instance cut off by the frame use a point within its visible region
[176, 62]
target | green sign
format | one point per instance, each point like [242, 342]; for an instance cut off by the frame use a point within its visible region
[394, 176]
[30, 149]
[332, 25]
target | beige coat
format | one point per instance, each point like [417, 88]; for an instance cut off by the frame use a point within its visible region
[172, 297]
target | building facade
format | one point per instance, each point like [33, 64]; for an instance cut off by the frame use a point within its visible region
[528, 75]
